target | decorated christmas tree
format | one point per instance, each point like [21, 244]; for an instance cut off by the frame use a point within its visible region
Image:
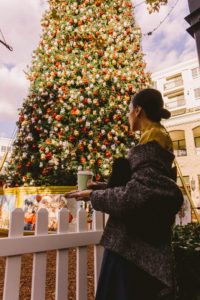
[87, 65]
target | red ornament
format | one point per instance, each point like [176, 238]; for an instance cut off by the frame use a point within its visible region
[57, 64]
[69, 50]
[107, 120]
[21, 118]
[48, 155]
[28, 164]
[97, 177]
[130, 87]
[106, 142]
[80, 23]
[99, 162]
[90, 37]
[83, 159]
[108, 154]
[111, 31]
[49, 110]
[58, 117]
[100, 52]
[71, 138]
[123, 77]
[98, 3]
[84, 129]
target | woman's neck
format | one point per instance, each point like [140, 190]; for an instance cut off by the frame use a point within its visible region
[147, 124]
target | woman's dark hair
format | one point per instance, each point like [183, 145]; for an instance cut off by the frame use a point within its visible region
[121, 172]
[152, 103]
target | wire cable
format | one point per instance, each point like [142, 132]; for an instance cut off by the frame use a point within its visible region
[165, 18]
[134, 6]
[4, 42]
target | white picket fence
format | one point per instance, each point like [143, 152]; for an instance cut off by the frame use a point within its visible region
[15, 245]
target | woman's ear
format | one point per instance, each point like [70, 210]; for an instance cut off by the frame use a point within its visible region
[138, 110]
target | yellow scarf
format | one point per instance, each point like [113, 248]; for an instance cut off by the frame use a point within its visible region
[157, 132]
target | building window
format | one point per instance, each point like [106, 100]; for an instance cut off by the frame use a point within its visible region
[196, 134]
[175, 102]
[176, 82]
[197, 93]
[186, 180]
[179, 144]
[3, 148]
[154, 84]
[195, 72]
[180, 148]
[198, 186]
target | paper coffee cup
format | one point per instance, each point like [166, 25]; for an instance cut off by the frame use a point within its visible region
[83, 178]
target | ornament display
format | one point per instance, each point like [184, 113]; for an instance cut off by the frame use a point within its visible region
[87, 65]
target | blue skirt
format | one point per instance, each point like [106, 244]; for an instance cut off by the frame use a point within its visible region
[121, 279]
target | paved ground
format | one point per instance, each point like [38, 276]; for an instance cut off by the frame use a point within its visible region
[25, 286]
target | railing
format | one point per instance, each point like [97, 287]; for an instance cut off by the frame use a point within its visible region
[198, 150]
[16, 245]
[180, 152]
[173, 84]
[177, 102]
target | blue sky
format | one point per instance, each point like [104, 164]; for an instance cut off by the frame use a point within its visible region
[169, 45]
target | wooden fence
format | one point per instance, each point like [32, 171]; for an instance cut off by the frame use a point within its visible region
[15, 245]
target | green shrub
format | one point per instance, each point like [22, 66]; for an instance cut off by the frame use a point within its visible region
[186, 244]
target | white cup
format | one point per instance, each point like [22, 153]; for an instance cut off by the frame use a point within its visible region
[83, 178]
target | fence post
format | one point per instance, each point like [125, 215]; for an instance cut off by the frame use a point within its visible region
[81, 263]
[98, 224]
[62, 259]
[39, 259]
[13, 264]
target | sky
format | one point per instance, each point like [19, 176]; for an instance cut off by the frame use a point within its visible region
[20, 23]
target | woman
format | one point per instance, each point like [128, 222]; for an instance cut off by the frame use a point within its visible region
[138, 261]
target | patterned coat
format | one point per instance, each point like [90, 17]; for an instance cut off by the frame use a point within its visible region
[142, 213]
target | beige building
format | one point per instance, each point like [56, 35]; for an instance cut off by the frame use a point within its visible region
[5, 146]
[180, 87]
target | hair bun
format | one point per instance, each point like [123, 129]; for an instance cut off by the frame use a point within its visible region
[165, 114]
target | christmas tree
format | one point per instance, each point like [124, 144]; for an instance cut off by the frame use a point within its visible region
[154, 5]
[87, 65]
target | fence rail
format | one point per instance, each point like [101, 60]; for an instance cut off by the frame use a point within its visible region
[15, 245]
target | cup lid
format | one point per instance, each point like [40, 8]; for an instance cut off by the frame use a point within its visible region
[85, 172]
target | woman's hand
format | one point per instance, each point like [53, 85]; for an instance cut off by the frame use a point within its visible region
[96, 185]
[91, 184]
[79, 195]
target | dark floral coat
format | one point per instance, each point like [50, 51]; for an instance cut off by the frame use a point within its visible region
[142, 213]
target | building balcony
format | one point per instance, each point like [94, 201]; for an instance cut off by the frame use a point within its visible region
[173, 84]
[175, 102]
[198, 151]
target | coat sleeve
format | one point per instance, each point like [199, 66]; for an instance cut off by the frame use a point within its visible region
[140, 194]
[118, 201]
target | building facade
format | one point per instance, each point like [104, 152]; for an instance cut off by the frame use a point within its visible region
[5, 145]
[180, 87]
